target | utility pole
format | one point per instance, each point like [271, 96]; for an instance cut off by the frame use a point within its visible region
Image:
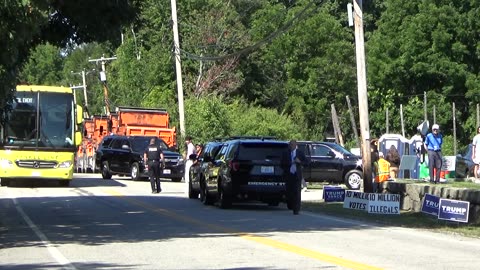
[84, 86]
[454, 129]
[478, 115]
[386, 121]
[85, 92]
[178, 68]
[362, 95]
[103, 77]
[425, 105]
[401, 120]
[336, 126]
[75, 92]
[352, 120]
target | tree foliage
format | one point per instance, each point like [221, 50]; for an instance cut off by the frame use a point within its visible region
[248, 64]
[44, 66]
[27, 23]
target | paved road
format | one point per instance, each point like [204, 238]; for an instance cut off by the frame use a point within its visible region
[117, 224]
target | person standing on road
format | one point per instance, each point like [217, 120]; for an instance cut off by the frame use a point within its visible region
[476, 153]
[190, 151]
[293, 162]
[152, 156]
[433, 143]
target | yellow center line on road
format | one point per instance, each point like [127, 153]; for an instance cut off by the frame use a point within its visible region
[253, 238]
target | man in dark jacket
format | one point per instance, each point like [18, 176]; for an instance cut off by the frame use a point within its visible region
[293, 163]
[152, 157]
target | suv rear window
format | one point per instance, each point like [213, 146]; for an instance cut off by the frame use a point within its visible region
[340, 149]
[261, 151]
[106, 142]
[140, 144]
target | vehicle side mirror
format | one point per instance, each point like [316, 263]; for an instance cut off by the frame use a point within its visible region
[331, 154]
[78, 138]
[79, 114]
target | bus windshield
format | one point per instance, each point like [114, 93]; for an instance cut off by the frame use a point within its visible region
[39, 120]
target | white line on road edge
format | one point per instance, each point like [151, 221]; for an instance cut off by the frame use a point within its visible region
[56, 254]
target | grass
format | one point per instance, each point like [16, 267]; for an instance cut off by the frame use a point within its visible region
[407, 219]
[454, 183]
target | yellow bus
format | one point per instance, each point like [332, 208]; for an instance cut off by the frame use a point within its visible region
[39, 134]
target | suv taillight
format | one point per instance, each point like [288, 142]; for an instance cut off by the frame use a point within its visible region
[234, 165]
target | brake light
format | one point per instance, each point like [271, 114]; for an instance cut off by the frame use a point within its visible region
[234, 165]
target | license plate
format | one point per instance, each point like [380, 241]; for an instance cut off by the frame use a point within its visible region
[167, 171]
[266, 169]
[35, 173]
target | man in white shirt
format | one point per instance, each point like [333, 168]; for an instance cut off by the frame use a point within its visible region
[476, 153]
[189, 162]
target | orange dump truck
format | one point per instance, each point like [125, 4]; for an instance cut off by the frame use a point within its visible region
[94, 129]
[145, 122]
[127, 121]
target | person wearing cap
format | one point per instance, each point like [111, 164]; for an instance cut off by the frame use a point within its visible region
[476, 153]
[433, 143]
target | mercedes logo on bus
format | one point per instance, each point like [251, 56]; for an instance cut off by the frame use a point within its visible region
[36, 164]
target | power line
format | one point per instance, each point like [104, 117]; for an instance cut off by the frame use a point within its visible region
[299, 16]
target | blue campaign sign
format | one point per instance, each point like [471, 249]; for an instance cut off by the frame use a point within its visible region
[454, 210]
[333, 194]
[430, 204]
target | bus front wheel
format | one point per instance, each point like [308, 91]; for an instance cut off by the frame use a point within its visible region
[5, 182]
[64, 183]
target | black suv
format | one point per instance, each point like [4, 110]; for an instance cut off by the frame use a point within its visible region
[331, 162]
[246, 169]
[201, 169]
[123, 155]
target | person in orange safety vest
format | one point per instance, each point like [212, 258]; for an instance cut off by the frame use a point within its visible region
[382, 172]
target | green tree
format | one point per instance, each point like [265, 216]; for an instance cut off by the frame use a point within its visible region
[44, 66]
[303, 72]
[424, 46]
[27, 23]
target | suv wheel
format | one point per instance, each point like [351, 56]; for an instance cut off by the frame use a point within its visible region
[135, 171]
[64, 183]
[205, 197]
[224, 199]
[354, 179]
[192, 194]
[273, 203]
[106, 171]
